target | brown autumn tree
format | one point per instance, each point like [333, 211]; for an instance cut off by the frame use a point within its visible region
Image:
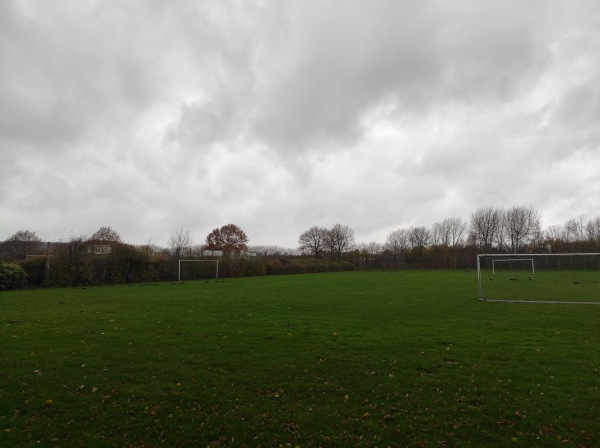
[229, 238]
[106, 235]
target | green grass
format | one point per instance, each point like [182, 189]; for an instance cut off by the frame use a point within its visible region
[344, 359]
[548, 285]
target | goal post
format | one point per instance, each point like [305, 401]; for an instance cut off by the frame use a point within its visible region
[196, 261]
[539, 278]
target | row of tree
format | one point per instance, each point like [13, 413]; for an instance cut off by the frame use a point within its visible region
[104, 258]
[229, 239]
[316, 240]
[452, 242]
[518, 229]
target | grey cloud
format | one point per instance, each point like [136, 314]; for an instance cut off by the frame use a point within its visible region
[343, 63]
[579, 113]
[202, 124]
[64, 75]
[347, 62]
[283, 115]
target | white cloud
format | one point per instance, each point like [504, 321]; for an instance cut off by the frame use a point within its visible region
[151, 116]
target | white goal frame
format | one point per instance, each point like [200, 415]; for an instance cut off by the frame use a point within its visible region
[201, 261]
[506, 260]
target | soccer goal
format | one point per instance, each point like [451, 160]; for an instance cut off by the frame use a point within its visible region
[197, 269]
[539, 278]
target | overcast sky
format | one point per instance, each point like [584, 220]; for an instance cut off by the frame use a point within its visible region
[149, 116]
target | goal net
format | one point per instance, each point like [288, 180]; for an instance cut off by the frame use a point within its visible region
[506, 265]
[197, 269]
[539, 278]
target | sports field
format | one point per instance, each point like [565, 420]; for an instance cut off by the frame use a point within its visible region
[344, 359]
[545, 286]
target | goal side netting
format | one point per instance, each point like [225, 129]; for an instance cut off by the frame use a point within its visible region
[197, 269]
[539, 278]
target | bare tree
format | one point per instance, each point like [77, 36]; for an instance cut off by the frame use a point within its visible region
[22, 243]
[554, 233]
[592, 229]
[368, 252]
[397, 243]
[418, 237]
[438, 234]
[313, 241]
[521, 225]
[180, 243]
[339, 239]
[575, 231]
[106, 235]
[554, 238]
[536, 240]
[229, 238]
[456, 231]
[448, 235]
[149, 249]
[501, 239]
[486, 224]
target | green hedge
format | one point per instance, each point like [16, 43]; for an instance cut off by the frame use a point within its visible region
[12, 276]
[125, 265]
[36, 271]
[304, 266]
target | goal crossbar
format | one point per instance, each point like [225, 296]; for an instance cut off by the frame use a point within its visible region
[197, 261]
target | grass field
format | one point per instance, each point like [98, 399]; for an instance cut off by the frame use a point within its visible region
[344, 359]
[549, 285]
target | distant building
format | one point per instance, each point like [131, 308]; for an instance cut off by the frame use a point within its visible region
[101, 249]
[90, 248]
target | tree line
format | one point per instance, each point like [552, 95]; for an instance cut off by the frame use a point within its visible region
[103, 258]
[454, 242]
[450, 243]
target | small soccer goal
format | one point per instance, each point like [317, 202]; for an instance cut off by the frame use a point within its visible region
[539, 278]
[197, 269]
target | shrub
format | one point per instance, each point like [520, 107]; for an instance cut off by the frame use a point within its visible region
[12, 276]
[35, 269]
[304, 266]
[60, 274]
[83, 274]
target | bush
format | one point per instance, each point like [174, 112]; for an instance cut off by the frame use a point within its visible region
[126, 265]
[35, 269]
[83, 274]
[12, 276]
[60, 274]
[304, 266]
